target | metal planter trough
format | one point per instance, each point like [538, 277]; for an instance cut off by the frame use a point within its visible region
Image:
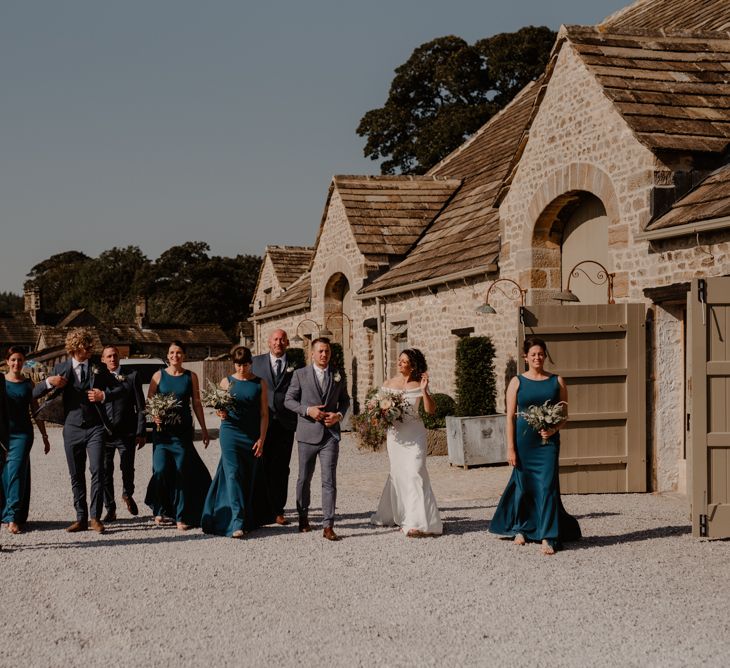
[473, 441]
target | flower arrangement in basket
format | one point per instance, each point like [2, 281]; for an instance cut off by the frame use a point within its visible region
[218, 398]
[163, 406]
[545, 416]
[383, 408]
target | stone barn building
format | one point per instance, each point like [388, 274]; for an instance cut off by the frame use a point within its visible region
[615, 160]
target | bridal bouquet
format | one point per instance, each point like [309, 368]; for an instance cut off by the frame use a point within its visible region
[218, 398]
[545, 416]
[163, 406]
[383, 408]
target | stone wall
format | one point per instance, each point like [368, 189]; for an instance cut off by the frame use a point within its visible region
[267, 281]
[579, 142]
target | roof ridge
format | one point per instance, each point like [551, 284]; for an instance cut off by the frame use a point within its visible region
[468, 142]
[721, 35]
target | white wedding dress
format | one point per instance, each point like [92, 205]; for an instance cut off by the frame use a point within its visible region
[407, 500]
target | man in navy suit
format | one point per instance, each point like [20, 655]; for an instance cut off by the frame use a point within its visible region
[318, 395]
[84, 388]
[127, 421]
[276, 370]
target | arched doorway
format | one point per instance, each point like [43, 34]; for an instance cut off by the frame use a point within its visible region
[572, 228]
[338, 320]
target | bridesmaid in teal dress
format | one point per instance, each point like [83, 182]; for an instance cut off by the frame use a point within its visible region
[530, 508]
[180, 479]
[229, 507]
[15, 500]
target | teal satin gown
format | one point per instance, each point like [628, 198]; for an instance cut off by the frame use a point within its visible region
[15, 500]
[180, 479]
[230, 503]
[530, 504]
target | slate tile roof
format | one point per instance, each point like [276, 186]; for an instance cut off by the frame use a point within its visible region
[671, 16]
[289, 262]
[709, 200]
[465, 235]
[16, 328]
[387, 214]
[673, 92]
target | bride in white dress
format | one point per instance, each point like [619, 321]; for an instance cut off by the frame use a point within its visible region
[407, 500]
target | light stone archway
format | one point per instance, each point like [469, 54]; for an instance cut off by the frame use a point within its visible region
[561, 198]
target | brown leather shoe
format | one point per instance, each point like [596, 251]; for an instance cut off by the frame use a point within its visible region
[96, 525]
[131, 505]
[281, 520]
[304, 524]
[78, 525]
[329, 534]
[110, 516]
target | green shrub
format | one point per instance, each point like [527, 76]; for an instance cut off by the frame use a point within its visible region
[476, 385]
[295, 357]
[337, 361]
[445, 405]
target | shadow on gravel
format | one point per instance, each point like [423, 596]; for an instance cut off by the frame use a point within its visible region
[588, 516]
[458, 526]
[590, 542]
[111, 542]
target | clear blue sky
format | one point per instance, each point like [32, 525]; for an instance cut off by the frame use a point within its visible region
[154, 122]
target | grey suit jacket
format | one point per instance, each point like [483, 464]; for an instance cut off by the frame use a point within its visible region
[261, 367]
[304, 392]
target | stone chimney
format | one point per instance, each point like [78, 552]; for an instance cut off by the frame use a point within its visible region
[140, 312]
[32, 296]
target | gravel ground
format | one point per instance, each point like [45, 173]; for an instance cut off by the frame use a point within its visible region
[638, 590]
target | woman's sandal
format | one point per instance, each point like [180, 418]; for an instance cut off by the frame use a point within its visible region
[547, 549]
[519, 539]
[14, 528]
[415, 533]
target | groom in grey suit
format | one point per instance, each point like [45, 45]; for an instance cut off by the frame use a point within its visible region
[318, 395]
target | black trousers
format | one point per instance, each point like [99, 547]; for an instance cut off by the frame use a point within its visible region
[276, 458]
[126, 447]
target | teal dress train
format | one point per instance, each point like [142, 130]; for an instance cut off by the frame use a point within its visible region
[180, 479]
[230, 503]
[530, 504]
[15, 500]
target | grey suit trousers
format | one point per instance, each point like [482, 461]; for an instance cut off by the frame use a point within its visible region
[328, 451]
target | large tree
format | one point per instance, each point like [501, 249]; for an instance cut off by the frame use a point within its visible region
[185, 285]
[10, 302]
[446, 91]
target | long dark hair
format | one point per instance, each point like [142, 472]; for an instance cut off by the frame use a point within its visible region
[417, 360]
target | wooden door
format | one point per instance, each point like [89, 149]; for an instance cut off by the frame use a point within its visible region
[600, 350]
[709, 418]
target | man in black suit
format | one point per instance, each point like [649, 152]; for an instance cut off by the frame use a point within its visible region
[274, 368]
[127, 421]
[84, 388]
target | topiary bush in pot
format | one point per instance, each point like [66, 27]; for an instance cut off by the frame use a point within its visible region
[476, 384]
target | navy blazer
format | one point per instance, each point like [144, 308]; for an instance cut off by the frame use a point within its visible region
[126, 410]
[75, 404]
[261, 367]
